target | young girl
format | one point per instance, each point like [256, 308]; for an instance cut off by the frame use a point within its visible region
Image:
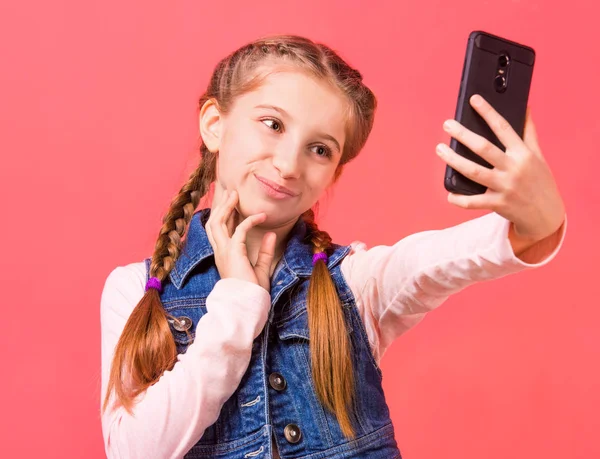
[248, 333]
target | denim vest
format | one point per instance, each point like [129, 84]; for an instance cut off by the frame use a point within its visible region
[276, 395]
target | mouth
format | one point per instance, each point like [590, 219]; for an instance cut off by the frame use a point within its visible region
[275, 187]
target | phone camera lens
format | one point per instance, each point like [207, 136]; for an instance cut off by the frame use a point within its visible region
[500, 83]
[503, 60]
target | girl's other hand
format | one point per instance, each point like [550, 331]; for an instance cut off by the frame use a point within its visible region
[231, 255]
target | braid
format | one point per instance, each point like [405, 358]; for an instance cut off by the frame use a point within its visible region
[146, 347]
[180, 213]
[330, 345]
[321, 240]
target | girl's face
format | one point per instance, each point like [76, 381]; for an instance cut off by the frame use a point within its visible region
[279, 146]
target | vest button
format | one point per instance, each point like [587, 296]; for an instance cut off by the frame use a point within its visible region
[277, 381]
[182, 323]
[292, 433]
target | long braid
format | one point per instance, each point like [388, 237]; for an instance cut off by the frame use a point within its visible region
[330, 345]
[176, 220]
[146, 347]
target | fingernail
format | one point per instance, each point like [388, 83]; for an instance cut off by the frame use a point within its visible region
[476, 100]
[447, 125]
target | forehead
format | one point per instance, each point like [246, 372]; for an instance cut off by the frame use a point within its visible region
[307, 100]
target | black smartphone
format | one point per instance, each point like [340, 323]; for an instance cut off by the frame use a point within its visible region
[500, 71]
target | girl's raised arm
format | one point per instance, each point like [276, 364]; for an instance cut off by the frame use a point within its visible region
[395, 286]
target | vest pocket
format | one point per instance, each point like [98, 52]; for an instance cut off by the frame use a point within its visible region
[295, 325]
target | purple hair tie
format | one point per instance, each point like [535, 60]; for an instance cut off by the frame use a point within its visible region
[154, 282]
[319, 256]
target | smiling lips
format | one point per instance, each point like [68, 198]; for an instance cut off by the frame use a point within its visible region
[274, 190]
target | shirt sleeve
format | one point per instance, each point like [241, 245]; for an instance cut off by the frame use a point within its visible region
[396, 286]
[172, 415]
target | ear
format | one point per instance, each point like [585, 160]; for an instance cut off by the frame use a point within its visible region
[210, 121]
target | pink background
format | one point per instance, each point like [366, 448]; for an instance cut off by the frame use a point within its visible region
[99, 130]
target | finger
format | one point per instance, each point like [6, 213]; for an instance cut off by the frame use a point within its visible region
[478, 144]
[228, 210]
[502, 128]
[216, 220]
[218, 205]
[241, 232]
[209, 225]
[487, 200]
[210, 237]
[216, 208]
[477, 173]
[530, 134]
[231, 222]
[265, 258]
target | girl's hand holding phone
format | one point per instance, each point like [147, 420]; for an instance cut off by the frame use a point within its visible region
[521, 187]
[231, 255]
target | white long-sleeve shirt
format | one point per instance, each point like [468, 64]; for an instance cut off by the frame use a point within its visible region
[394, 287]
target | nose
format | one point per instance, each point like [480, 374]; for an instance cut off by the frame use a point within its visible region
[287, 159]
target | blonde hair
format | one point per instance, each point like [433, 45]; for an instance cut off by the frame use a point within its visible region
[146, 347]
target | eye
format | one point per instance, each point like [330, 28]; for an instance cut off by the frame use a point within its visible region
[326, 151]
[276, 124]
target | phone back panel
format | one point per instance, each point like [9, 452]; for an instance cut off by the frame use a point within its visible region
[479, 72]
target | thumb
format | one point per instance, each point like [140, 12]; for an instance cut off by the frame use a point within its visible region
[266, 253]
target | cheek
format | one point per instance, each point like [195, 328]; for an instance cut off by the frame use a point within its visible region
[316, 184]
[322, 177]
[240, 152]
[234, 172]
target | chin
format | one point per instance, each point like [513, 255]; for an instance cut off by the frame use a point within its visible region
[276, 213]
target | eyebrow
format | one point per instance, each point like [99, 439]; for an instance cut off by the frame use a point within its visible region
[286, 114]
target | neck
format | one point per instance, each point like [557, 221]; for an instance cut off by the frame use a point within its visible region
[255, 237]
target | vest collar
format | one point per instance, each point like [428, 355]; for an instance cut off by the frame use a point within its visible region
[297, 256]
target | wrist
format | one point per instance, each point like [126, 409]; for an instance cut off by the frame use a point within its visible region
[519, 243]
